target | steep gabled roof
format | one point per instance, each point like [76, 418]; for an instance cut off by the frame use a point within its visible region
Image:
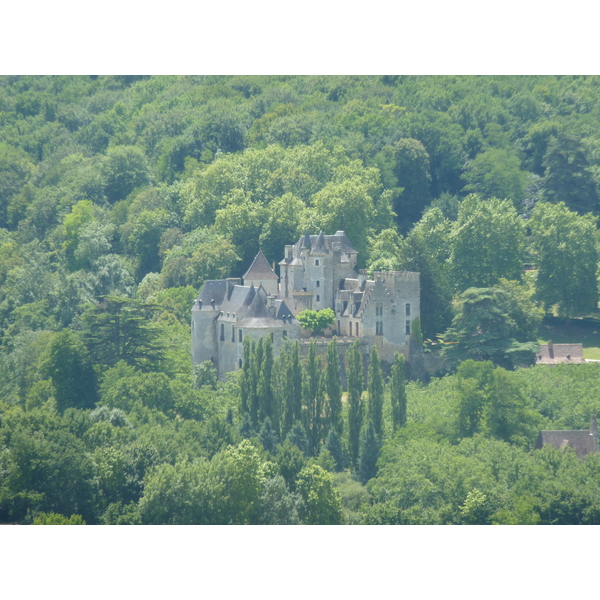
[259, 269]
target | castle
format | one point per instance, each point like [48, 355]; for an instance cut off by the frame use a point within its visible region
[317, 272]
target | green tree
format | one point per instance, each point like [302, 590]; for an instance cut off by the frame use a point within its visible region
[120, 329]
[56, 519]
[405, 168]
[292, 387]
[322, 502]
[488, 241]
[316, 321]
[565, 247]
[397, 387]
[267, 408]
[333, 387]
[313, 398]
[568, 177]
[375, 388]
[124, 169]
[354, 370]
[487, 327]
[69, 367]
[496, 173]
[368, 454]
[333, 443]
[472, 383]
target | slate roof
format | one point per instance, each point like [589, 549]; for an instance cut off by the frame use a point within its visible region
[553, 354]
[257, 315]
[260, 269]
[308, 241]
[240, 299]
[282, 311]
[319, 245]
[582, 441]
[214, 290]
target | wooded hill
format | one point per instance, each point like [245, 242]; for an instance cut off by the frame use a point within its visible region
[120, 196]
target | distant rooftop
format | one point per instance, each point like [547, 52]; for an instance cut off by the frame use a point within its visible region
[554, 354]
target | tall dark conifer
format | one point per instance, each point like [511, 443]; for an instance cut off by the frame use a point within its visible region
[398, 391]
[369, 453]
[292, 388]
[333, 387]
[246, 378]
[266, 407]
[354, 370]
[376, 392]
[312, 392]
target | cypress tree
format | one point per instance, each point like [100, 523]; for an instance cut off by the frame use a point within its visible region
[355, 408]
[313, 397]
[398, 391]
[246, 379]
[267, 436]
[293, 388]
[333, 443]
[369, 453]
[333, 387]
[297, 436]
[375, 412]
[266, 407]
[255, 372]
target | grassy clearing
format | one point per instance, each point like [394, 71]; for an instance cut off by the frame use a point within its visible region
[574, 332]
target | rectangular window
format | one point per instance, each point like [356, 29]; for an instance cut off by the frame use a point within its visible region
[316, 262]
[356, 324]
[285, 334]
[407, 330]
[240, 335]
[408, 310]
[318, 283]
[233, 333]
[378, 310]
[222, 332]
[318, 298]
[379, 328]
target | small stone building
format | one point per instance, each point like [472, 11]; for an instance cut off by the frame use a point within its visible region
[555, 354]
[584, 441]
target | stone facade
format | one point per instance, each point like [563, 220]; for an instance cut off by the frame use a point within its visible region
[317, 272]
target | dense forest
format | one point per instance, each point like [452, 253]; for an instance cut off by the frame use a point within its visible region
[120, 196]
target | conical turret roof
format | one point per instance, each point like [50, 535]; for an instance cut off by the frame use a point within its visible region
[305, 240]
[257, 314]
[319, 247]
